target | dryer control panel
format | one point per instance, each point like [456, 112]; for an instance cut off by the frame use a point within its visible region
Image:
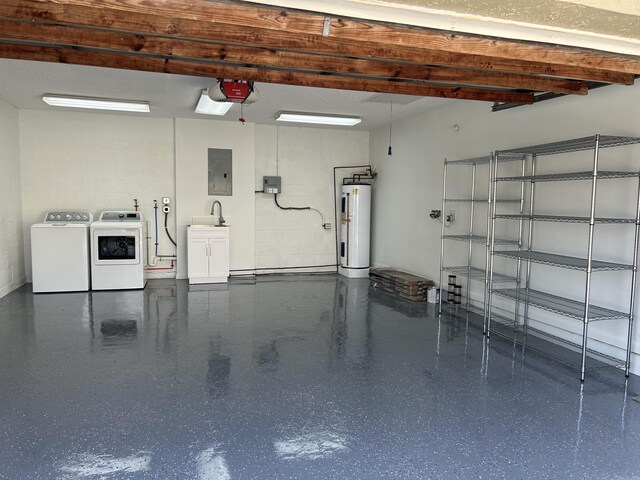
[120, 216]
[68, 217]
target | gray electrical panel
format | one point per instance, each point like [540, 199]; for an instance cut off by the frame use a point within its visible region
[271, 184]
[220, 179]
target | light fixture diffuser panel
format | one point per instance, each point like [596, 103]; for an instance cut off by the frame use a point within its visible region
[318, 119]
[206, 106]
[96, 103]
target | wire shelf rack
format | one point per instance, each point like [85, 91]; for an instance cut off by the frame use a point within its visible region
[560, 305]
[545, 301]
[481, 239]
[478, 274]
[564, 261]
[569, 176]
[573, 145]
[565, 218]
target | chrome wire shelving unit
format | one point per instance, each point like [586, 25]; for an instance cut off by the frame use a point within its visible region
[472, 270]
[581, 309]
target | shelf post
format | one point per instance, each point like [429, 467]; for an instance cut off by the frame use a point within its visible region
[525, 319]
[496, 157]
[520, 227]
[487, 246]
[442, 213]
[587, 293]
[632, 302]
[470, 255]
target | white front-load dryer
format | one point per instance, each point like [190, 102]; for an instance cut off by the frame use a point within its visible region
[117, 254]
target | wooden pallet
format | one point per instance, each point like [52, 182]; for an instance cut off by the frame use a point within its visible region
[405, 285]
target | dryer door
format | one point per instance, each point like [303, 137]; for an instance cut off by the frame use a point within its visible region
[116, 246]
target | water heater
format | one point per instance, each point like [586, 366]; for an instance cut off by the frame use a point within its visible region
[355, 230]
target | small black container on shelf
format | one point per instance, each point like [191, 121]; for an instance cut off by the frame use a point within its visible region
[451, 297]
[452, 289]
[457, 295]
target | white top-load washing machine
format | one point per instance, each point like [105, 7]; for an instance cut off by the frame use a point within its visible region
[117, 256]
[60, 252]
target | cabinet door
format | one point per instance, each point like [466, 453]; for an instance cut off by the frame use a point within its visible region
[219, 259]
[198, 258]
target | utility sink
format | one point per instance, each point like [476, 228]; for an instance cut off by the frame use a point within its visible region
[208, 221]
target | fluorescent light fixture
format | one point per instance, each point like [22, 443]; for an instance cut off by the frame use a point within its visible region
[318, 118]
[206, 106]
[96, 103]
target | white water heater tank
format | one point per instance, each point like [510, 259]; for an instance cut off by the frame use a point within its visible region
[355, 230]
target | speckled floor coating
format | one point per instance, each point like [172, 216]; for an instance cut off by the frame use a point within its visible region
[293, 377]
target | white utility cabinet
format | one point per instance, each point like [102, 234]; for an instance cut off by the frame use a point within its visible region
[207, 254]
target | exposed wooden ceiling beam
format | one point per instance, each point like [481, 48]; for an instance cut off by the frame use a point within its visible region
[142, 18]
[52, 35]
[288, 21]
[143, 63]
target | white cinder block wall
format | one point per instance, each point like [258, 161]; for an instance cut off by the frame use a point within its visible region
[410, 185]
[12, 270]
[304, 158]
[95, 162]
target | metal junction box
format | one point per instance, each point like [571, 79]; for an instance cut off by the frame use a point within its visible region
[272, 184]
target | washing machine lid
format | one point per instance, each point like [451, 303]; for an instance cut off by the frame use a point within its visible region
[84, 226]
[120, 216]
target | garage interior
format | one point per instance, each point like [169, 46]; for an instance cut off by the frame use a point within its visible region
[288, 369]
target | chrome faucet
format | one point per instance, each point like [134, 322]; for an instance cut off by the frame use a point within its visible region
[213, 208]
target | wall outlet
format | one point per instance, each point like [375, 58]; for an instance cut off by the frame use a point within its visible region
[451, 216]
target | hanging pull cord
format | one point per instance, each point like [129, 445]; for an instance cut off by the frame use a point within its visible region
[241, 119]
[390, 124]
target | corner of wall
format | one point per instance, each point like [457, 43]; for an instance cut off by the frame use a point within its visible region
[12, 270]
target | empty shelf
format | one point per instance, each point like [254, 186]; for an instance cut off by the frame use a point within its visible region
[536, 340]
[557, 177]
[470, 161]
[574, 145]
[480, 200]
[478, 239]
[478, 274]
[565, 218]
[545, 343]
[564, 261]
[564, 306]
[465, 200]
[485, 160]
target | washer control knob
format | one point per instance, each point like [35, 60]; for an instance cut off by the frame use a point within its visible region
[77, 217]
[121, 215]
[68, 216]
[58, 217]
[52, 216]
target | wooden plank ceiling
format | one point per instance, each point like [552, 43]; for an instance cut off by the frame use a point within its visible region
[238, 40]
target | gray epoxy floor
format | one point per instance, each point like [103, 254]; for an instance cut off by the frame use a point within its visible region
[293, 377]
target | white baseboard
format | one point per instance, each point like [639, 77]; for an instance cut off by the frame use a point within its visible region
[330, 269]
